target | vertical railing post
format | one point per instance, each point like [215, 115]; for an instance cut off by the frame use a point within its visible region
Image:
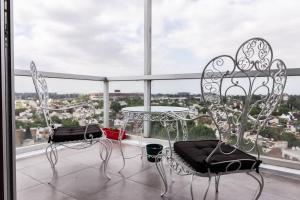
[147, 62]
[106, 103]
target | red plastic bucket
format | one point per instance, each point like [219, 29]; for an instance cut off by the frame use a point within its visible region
[114, 133]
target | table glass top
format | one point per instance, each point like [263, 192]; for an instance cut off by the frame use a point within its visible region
[157, 109]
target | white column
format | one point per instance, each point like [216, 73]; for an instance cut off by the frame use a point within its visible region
[147, 62]
[106, 103]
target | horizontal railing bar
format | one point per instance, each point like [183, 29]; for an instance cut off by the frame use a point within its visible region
[290, 72]
[155, 77]
[19, 72]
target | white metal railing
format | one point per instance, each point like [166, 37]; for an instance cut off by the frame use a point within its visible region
[145, 78]
[21, 72]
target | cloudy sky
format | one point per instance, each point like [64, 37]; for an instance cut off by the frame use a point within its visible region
[105, 38]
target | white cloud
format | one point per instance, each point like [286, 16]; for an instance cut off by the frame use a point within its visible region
[86, 37]
[210, 28]
[105, 38]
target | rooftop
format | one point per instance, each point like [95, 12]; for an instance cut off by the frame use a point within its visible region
[79, 176]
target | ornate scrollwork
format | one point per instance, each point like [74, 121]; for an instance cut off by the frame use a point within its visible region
[241, 107]
[86, 116]
[42, 91]
[254, 54]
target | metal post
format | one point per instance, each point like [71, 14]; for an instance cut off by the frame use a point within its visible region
[7, 123]
[147, 63]
[106, 103]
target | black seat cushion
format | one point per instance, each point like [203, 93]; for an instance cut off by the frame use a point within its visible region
[195, 153]
[65, 134]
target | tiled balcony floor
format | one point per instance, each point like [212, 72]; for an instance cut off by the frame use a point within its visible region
[79, 176]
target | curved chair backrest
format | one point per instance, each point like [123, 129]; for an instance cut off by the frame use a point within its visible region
[240, 107]
[41, 89]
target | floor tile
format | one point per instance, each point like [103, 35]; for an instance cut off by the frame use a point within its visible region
[85, 182]
[132, 166]
[127, 190]
[152, 178]
[44, 172]
[42, 192]
[24, 181]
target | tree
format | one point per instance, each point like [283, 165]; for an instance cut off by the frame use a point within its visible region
[70, 123]
[203, 110]
[291, 139]
[28, 133]
[115, 106]
[202, 132]
[293, 103]
[55, 119]
[20, 124]
[100, 104]
[255, 110]
[283, 109]
[282, 121]
[271, 133]
[19, 110]
[137, 101]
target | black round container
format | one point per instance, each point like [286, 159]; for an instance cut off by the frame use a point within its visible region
[152, 151]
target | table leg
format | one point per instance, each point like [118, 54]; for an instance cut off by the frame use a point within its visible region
[185, 135]
[140, 124]
[121, 132]
[177, 131]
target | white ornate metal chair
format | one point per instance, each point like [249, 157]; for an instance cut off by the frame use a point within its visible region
[239, 108]
[76, 137]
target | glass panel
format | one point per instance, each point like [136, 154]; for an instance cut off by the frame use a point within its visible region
[124, 94]
[279, 139]
[188, 33]
[180, 93]
[82, 37]
[31, 126]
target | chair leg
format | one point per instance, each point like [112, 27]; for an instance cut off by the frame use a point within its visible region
[161, 170]
[217, 181]
[107, 145]
[101, 150]
[209, 181]
[260, 181]
[141, 143]
[191, 186]
[122, 154]
[52, 154]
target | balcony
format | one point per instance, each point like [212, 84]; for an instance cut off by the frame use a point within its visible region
[116, 54]
[34, 173]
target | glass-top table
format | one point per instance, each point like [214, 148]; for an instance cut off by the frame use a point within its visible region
[168, 116]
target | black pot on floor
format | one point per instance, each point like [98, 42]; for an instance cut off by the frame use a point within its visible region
[152, 151]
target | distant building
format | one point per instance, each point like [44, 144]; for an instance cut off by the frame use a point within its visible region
[123, 103]
[292, 154]
[273, 122]
[285, 97]
[280, 144]
[95, 97]
[118, 122]
[285, 117]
